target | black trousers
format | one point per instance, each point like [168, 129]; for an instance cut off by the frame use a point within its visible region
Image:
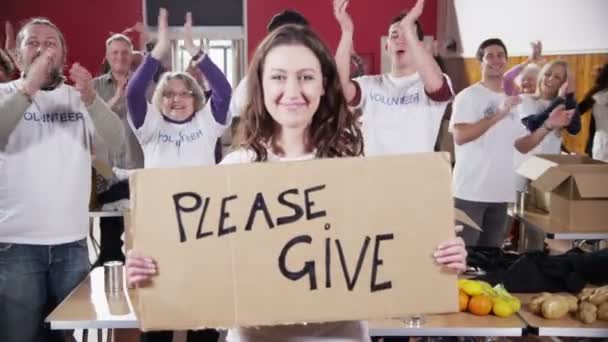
[111, 228]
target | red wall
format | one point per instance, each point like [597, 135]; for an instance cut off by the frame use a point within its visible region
[86, 24]
[371, 18]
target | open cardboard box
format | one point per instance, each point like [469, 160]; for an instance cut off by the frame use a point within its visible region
[577, 187]
[280, 243]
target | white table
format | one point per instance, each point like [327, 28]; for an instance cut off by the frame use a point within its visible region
[89, 307]
[457, 324]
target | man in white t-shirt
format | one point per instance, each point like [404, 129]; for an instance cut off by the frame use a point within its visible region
[401, 110]
[46, 128]
[486, 127]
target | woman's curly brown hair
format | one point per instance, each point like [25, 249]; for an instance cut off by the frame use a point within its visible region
[333, 131]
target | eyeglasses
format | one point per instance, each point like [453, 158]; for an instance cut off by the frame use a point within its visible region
[184, 94]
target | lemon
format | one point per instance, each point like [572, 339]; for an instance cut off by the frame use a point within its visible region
[509, 298]
[502, 308]
[515, 303]
[484, 285]
[470, 287]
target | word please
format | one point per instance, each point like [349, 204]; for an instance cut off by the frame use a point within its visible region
[258, 208]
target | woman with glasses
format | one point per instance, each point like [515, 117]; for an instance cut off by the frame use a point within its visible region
[179, 127]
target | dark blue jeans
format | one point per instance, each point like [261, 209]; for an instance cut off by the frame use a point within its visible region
[34, 279]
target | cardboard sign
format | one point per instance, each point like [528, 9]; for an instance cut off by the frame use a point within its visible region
[280, 243]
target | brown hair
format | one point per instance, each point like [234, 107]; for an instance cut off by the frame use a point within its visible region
[481, 50]
[41, 21]
[400, 17]
[333, 131]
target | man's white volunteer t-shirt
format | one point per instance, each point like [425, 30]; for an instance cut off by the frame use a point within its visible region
[397, 115]
[171, 144]
[45, 170]
[484, 167]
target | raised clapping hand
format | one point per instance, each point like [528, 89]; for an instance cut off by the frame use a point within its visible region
[507, 105]
[560, 117]
[163, 46]
[536, 56]
[408, 23]
[83, 82]
[344, 19]
[192, 49]
[39, 72]
[121, 85]
[10, 44]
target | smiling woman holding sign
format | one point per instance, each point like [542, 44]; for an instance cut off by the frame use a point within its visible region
[297, 111]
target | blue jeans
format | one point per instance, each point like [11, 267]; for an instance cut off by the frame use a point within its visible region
[34, 279]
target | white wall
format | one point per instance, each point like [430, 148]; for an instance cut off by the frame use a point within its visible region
[564, 26]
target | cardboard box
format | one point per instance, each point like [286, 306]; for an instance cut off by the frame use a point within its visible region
[538, 200]
[577, 187]
[279, 243]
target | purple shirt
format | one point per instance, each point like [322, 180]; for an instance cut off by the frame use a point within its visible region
[508, 81]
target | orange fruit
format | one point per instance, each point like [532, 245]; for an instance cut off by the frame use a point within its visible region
[480, 305]
[463, 300]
